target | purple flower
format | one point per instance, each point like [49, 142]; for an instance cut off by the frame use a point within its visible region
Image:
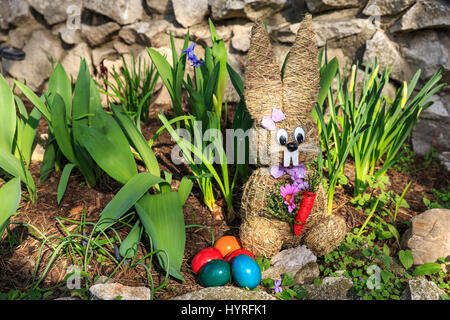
[193, 59]
[366, 245]
[277, 288]
[288, 192]
[361, 279]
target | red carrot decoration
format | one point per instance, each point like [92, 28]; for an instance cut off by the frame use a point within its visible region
[304, 211]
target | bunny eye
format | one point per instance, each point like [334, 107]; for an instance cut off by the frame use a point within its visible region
[299, 135]
[282, 136]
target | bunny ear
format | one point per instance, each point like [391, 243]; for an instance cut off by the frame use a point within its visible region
[263, 86]
[301, 75]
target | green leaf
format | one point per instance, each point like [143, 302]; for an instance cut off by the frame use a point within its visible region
[9, 199]
[288, 280]
[7, 116]
[184, 190]
[127, 196]
[109, 148]
[129, 246]
[386, 250]
[49, 160]
[60, 128]
[163, 220]
[137, 140]
[59, 83]
[326, 78]
[300, 292]
[406, 258]
[428, 268]
[14, 167]
[29, 134]
[35, 100]
[62, 185]
[386, 275]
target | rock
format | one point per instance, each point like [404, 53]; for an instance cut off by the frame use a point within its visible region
[110, 291]
[97, 35]
[71, 61]
[435, 43]
[123, 11]
[444, 157]
[332, 288]
[39, 150]
[433, 128]
[200, 34]
[160, 6]
[337, 26]
[315, 6]
[225, 293]
[68, 298]
[70, 36]
[288, 261]
[36, 68]
[386, 7]
[425, 14]
[429, 236]
[422, 289]
[250, 9]
[15, 12]
[103, 52]
[190, 12]
[19, 36]
[54, 11]
[387, 53]
[307, 273]
[142, 32]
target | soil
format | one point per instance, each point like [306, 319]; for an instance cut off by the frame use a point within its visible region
[21, 249]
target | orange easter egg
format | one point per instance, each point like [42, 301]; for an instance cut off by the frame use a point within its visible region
[227, 244]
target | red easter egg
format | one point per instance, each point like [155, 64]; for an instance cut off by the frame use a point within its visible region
[204, 256]
[229, 257]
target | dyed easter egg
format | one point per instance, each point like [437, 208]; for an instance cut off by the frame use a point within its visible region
[229, 257]
[215, 273]
[227, 244]
[245, 271]
[204, 256]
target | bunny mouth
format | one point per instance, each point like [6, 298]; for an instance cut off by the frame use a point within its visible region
[290, 156]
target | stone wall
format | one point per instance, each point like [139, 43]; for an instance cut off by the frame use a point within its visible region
[403, 34]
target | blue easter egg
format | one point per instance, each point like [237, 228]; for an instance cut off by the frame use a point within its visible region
[245, 271]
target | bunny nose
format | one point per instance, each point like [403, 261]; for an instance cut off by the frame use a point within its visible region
[292, 146]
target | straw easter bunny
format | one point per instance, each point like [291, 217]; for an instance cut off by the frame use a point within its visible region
[281, 108]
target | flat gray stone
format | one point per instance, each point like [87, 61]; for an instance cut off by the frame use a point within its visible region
[98, 35]
[387, 53]
[315, 6]
[422, 289]
[123, 11]
[429, 236]
[386, 7]
[190, 12]
[332, 288]
[110, 291]
[225, 293]
[250, 9]
[425, 14]
[307, 273]
[55, 11]
[288, 261]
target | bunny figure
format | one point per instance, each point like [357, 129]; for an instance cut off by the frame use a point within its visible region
[281, 109]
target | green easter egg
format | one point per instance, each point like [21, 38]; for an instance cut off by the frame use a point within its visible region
[215, 273]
